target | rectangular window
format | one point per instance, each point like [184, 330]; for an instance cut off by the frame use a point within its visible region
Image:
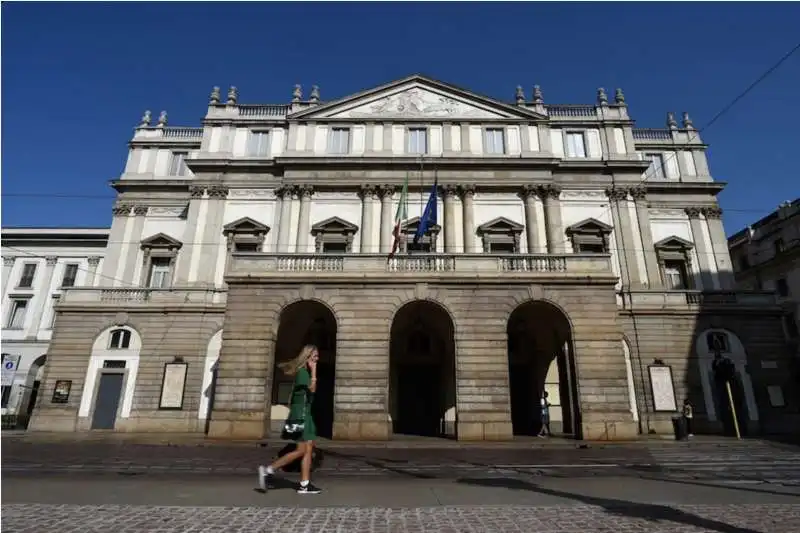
[423, 246]
[16, 318]
[494, 141]
[28, 275]
[506, 247]
[6, 395]
[591, 248]
[576, 145]
[339, 141]
[110, 363]
[334, 247]
[417, 141]
[159, 273]
[656, 168]
[177, 166]
[675, 275]
[258, 144]
[247, 247]
[70, 273]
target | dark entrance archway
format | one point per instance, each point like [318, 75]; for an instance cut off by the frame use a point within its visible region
[422, 379]
[301, 323]
[540, 359]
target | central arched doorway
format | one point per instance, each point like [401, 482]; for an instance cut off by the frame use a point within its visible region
[422, 381]
[301, 323]
[540, 360]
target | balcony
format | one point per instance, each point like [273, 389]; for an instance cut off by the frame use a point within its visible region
[417, 267]
[136, 296]
[695, 300]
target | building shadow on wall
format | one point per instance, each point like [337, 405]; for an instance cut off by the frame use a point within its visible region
[614, 507]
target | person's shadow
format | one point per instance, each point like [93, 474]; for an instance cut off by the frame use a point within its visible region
[646, 511]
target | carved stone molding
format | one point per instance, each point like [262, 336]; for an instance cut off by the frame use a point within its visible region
[94, 260]
[693, 212]
[466, 191]
[367, 191]
[304, 191]
[217, 191]
[281, 192]
[714, 212]
[638, 193]
[9, 260]
[51, 260]
[196, 191]
[140, 210]
[121, 209]
[386, 191]
[617, 194]
[548, 192]
[528, 191]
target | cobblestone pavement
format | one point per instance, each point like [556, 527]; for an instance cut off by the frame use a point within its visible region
[736, 462]
[764, 518]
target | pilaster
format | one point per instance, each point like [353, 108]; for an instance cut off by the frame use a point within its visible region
[212, 236]
[304, 223]
[91, 275]
[368, 197]
[528, 195]
[550, 195]
[449, 194]
[719, 246]
[702, 248]
[639, 195]
[626, 253]
[192, 235]
[132, 257]
[42, 297]
[112, 267]
[285, 196]
[386, 193]
[8, 265]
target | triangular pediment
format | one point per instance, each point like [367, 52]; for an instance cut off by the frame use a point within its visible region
[334, 225]
[245, 225]
[675, 243]
[500, 225]
[590, 225]
[160, 240]
[413, 223]
[417, 97]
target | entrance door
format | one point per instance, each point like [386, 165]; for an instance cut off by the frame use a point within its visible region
[419, 400]
[322, 410]
[107, 402]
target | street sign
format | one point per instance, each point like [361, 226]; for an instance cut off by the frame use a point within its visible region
[10, 364]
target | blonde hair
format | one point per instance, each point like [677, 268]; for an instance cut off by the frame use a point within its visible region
[291, 366]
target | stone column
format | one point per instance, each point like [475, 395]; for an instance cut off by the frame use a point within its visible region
[190, 235]
[212, 236]
[132, 257]
[43, 297]
[719, 245]
[91, 275]
[116, 236]
[702, 248]
[639, 195]
[623, 233]
[367, 194]
[8, 264]
[449, 194]
[468, 217]
[387, 222]
[304, 223]
[285, 195]
[552, 217]
[528, 195]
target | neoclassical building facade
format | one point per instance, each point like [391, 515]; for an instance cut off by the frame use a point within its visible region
[573, 254]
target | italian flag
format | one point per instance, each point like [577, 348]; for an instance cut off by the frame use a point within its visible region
[400, 216]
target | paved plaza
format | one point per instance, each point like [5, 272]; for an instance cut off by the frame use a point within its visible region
[735, 487]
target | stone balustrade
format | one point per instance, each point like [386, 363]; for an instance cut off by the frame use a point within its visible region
[695, 300]
[475, 266]
[141, 296]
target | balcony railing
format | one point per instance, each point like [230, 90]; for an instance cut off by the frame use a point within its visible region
[655, 299]
[260, 265]
[651, 134]
[142, 296]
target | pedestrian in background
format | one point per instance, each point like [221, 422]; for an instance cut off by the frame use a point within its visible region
[688, 414]
[299, 425]
[545, 416]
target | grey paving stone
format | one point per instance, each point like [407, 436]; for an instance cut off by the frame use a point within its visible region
[762, 518]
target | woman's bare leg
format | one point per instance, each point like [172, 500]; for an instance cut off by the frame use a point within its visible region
[290, 457]
[305, 466]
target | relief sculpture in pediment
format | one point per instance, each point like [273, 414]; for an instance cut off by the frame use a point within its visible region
[418, 103]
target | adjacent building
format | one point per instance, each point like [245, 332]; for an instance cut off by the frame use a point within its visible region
[766, 256]
[572, 253]
[38, 265]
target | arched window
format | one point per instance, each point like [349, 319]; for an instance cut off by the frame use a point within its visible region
[120, 339]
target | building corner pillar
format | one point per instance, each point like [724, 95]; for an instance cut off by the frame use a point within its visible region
[623, 234]
[42, 297]
[702, 248]
[653, 274]
[192, 236]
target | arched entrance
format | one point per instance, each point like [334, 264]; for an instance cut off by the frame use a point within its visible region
[422, 388]
[540, 360]
[301, 323]
[33, 381]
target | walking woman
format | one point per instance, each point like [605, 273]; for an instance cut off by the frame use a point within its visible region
[300, 425]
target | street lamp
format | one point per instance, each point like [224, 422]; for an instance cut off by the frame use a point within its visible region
[725, 371]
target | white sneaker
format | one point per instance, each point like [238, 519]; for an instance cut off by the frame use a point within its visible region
[263, 477]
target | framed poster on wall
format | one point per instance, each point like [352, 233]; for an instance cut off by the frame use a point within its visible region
[173, 386]
[663, 389]
[61, 391]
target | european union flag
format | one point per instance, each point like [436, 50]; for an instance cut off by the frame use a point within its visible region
[429, 216]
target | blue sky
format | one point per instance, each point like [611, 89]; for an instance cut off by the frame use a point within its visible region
[77, 77]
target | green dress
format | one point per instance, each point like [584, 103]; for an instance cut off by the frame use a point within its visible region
[300, 407]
